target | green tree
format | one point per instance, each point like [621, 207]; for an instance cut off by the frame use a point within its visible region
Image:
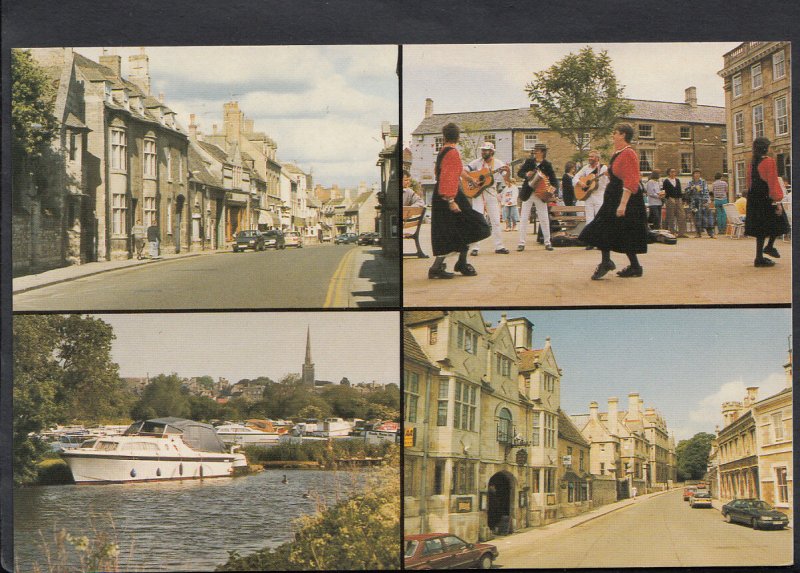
[692, 456]
[33, 125]
[473, 134]
[346, 401]
[579, 94]
[164, 396]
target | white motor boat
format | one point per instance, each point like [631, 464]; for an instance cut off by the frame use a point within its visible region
[334, 428]
[153, 450]
[240, 434]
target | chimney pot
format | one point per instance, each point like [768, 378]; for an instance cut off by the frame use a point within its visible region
[691, 96]
[428, 107]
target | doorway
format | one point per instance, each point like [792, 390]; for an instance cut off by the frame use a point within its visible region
[499, 504]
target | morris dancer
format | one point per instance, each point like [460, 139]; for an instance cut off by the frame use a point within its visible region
[537, 162]
[489, 199]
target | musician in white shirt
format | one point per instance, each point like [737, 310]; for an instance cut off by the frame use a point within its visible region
[489, 200]
[595, 200]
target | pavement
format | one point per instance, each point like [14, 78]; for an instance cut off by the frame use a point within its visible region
[364, 277]
[692, 272]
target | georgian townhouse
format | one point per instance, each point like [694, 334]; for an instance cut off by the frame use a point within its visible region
[660, 472]
[738, 451]
[635, 451]
[683, 135]
[758, 103]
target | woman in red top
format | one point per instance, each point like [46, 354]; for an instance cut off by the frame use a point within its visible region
[765, 216]
[621, 222]
[454, 223]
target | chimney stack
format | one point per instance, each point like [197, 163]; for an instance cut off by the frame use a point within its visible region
[192, 127]
[161, 97]
[691, 96]
[633, 406]
[139, 71]
[593, 410]
[113, 62]
[612, 416]
[428, 107]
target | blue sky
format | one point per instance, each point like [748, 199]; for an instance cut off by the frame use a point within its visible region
[323, 105]
[364, 346]
[685, 363]
[462, 77]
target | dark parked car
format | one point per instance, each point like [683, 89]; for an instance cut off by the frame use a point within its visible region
[274, 239]
[367, 238]
[701, 498]
[250, 239]
[345, 239]
[446, 551]
[755, 513]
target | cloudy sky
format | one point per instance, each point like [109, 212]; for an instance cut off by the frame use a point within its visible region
[486, 77]
[684, 363]
[363, 346]
[323, 105]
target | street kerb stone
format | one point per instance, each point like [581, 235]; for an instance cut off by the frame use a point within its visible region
[693, 272]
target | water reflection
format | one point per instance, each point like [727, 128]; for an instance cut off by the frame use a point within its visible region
[178, 525]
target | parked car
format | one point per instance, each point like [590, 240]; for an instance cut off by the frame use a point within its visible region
[446, 551]
[249, 239]
[293, 239]
[755, 513]
[366, 239]
[701, 498]
[345, 239]
[275, 239]
[688, 492]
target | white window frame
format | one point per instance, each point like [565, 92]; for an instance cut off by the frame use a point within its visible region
[119, 149]
[491, 138]
[690, 164]
[738, 128]
[756, 72]
[529, 141]
[649, 127]
[647, 155]
[168, 153]
[781, 486]
[736, 82]
[740, 177]
[411, 396]
[119, 215]
[585, 140]
[149, 158]
[689, 129]
[169, 216]
[149, 211]
[784, 116]
[438, 143]
[757, 123]
[778, 64]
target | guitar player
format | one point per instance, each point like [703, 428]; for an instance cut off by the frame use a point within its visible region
[537, 162]
[593, 202]
[489, 201]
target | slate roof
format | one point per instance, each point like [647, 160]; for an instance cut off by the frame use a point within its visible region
[359, 201]
[568, 431]
[527, 358]
[73, 121]
[214, 151]
[522, 118]
[199, 169]
[413, 351]
[417, 316]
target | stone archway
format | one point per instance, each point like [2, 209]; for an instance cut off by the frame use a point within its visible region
[499, 503]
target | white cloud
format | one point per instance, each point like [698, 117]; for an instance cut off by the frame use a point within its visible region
[707, 413]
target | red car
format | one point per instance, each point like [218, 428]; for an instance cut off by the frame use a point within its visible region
[446, 551]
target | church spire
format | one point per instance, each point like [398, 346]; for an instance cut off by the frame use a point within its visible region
[308, 346]
[308, 365]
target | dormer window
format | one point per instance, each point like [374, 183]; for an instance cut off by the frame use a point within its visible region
[107, 91]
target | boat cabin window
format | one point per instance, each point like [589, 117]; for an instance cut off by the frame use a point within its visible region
[88, 444]
[106, 446]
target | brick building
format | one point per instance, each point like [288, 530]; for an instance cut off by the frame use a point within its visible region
[666, 134]
[758, 100]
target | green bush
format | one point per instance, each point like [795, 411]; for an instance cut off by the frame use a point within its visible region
[53, 471]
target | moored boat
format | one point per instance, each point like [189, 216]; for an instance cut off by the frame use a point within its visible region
[247, 434]
[153, 450]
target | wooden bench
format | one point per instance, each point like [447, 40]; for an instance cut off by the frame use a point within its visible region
[412, 223]
[570, 219]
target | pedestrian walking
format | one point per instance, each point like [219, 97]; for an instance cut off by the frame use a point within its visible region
[634, 491]
[719, 190]
[673, 198]
[153, 238]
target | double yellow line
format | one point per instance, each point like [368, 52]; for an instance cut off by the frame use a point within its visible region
[338, 288]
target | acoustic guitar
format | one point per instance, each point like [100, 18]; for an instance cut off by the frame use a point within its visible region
[587, 185]
[482, 179]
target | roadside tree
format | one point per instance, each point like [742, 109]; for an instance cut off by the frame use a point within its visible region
[692, 456]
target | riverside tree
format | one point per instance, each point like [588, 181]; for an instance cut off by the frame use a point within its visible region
[577, 95]
[163, 396]
[63, 373]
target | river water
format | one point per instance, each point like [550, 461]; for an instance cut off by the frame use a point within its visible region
[179, 525]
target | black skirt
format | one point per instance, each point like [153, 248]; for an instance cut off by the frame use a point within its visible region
[761, 220]
[627, 234]
[454, 232]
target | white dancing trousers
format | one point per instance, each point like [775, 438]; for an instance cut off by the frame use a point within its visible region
[492, 207]
[541, 214]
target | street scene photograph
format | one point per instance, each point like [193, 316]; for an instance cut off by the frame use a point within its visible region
[206, 442]
[597, 174]
[552, 439]
[244, 177]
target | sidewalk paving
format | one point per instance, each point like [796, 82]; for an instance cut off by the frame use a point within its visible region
[692, 272]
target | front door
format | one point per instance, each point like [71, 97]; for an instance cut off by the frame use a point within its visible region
[499, 504]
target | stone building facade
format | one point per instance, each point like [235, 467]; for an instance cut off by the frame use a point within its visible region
[666, 134]
[758, 102]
